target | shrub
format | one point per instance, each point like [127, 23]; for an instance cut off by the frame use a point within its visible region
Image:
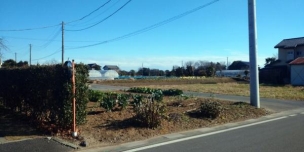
[137, 100]
[172, 92]
[95, 96]
[123, 100]
[210, 109]
[150, 113]
[109, 101]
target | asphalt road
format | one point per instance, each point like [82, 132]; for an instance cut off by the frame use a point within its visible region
[282, 135]
[34, 145]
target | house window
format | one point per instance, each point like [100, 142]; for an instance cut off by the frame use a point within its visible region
[299, 53]
[290, 55]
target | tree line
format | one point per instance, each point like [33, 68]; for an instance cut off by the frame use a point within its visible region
[190, 68]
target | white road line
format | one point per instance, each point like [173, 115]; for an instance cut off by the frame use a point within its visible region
[302, 113]
[293, 115]
[202, 135]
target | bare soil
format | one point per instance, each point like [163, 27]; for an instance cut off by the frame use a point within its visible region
[116, 127]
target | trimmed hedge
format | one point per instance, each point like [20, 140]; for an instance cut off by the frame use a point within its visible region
[44, 93]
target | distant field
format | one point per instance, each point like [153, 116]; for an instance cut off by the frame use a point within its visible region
[216, 85]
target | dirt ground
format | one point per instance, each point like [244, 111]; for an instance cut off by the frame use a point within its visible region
[116, 127]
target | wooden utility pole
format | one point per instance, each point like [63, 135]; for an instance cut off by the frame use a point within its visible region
[62, 53]
[15, 57]
[30, 54]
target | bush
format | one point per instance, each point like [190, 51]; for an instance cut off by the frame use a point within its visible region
[123, 100]
[95, 96]
[150, 113]
[210, 109]
[137, 100]
[172, 92]
[109, 101]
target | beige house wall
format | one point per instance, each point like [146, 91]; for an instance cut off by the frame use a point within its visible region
[283, 54]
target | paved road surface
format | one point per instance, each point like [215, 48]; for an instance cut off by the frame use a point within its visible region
[34, 145]
[283, 135]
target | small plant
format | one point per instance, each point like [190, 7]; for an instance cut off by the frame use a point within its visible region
[95, 96]
[150, 113]
[109, 101]
[123, 100]
[137, 100]
[210, 109]
[157, 95]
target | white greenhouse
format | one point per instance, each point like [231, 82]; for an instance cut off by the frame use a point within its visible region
[103, 75]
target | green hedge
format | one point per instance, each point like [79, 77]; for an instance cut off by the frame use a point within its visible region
[44, 93]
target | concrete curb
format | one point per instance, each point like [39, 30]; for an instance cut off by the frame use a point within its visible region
[63, 142]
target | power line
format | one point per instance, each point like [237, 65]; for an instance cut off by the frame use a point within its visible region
[47, 55]
[44, 27]
[29, 29]
[150, 27]
[104, 18]
[86, 23]
[90, 12]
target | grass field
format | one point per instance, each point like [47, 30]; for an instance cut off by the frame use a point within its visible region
[218, 86]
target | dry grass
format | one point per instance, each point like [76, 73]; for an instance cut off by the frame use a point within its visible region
[216, 85]
[286, 92]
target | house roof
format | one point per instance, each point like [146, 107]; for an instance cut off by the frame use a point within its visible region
[244, 62]
[111, 66]
[290, 43]
[297, 61]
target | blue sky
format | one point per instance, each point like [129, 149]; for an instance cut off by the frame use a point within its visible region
[213, 33]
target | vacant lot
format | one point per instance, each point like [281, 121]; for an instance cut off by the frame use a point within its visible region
[109, 128]
[218, 86]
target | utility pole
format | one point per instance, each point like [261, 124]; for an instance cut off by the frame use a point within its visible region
[182, 68]
[30, 54]
[254, 78]
[62, 53]
[227, 64]
[15, 57]
[142, 68]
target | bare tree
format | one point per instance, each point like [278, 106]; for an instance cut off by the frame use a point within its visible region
[2, 47]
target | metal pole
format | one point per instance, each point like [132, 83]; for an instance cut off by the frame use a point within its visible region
[74, 99]
[62, 43]
[15, 57]
[30, 54]
[254, 77]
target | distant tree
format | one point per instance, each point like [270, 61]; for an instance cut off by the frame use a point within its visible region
[2, 47]
[168, 73]
[132, 73]
[270, 60]
[123, 73]
[143, 71]
[22, 64]
[210, 71]
[9, 63]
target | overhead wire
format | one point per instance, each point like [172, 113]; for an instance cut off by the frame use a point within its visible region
[47, 55]
[151, 26]
[29, 29]
[90, 12]
[104, 18]
[44, 27]
[86, 23]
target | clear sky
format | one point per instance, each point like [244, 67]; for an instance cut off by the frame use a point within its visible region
[213, 33]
